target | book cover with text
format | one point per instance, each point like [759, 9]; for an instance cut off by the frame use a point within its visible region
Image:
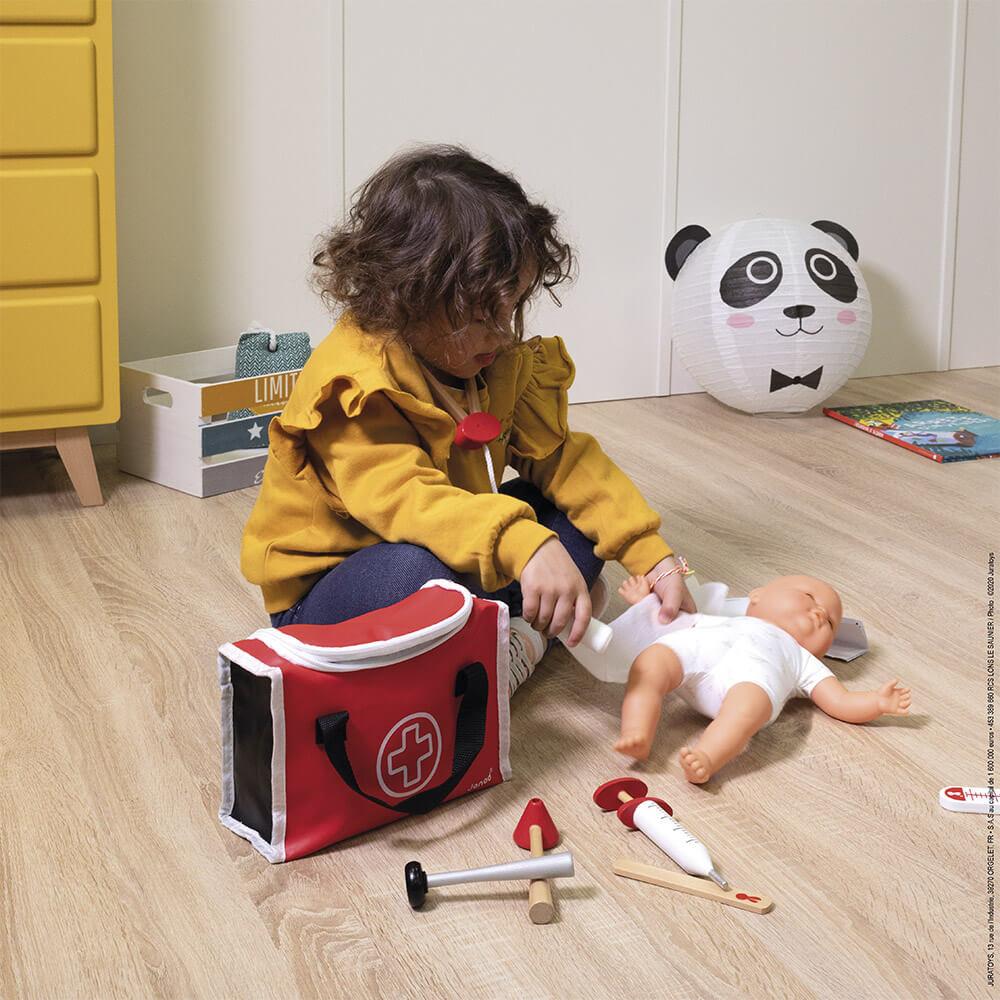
[934, 428]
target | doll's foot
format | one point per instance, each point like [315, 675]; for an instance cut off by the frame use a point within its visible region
[634, 744]
[697, 765]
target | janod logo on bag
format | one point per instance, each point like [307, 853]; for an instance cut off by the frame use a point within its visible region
[482, 782]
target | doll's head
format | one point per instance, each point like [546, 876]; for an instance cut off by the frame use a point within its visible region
[444, 252]
[808, 609]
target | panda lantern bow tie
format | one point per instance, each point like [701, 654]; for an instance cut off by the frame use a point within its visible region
[780, 381]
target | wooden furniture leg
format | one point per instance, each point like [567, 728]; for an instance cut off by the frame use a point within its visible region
[73, 445]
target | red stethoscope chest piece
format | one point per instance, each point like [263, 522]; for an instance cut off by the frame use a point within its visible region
[477, 430]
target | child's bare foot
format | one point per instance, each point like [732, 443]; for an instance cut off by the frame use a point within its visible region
[697, 765]
[634, 744]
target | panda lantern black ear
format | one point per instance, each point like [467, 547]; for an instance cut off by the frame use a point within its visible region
[685, 241]
[840, 234]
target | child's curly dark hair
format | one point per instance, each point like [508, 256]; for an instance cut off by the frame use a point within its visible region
[435, 226]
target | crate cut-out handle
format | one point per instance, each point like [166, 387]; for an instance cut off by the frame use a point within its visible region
[157, 397]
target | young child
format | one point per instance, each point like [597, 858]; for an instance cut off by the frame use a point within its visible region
[740, 671]
[364, 498]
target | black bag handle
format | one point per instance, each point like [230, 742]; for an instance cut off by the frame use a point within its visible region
[472, 686]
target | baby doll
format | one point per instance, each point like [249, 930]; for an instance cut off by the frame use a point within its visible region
[739, 671]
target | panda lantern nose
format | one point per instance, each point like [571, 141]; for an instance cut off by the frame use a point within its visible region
[799, 312]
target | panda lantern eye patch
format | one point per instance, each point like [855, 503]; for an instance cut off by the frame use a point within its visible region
[750, 280]
[831, 274]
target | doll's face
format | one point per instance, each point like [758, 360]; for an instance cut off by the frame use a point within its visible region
[808, 609]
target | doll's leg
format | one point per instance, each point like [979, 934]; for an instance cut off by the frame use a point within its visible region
[745, 709]
[655, 673]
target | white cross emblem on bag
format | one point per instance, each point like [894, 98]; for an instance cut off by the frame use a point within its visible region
[404, 753]
[409, 755]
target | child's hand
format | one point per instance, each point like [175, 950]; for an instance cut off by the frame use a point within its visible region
[634, 589]
[555, 593]
[671, 590]
[892, 699]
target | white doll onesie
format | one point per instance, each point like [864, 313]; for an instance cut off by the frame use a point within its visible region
[718, 647]
[717, 652]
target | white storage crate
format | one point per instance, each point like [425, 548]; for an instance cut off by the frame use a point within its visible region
[174, 427]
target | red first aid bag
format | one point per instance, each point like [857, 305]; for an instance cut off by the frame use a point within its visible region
[331, 730]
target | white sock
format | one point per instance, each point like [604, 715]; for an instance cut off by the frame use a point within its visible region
[527, 647]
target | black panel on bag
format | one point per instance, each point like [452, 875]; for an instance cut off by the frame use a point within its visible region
[253, 744]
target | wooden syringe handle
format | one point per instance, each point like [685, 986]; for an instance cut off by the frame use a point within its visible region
[540, 908]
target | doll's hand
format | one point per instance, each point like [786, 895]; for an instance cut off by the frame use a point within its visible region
[555, 593]
[634, 589]
[893, 700]
[671, 590]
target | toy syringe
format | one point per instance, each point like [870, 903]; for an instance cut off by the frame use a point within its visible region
[655, 818]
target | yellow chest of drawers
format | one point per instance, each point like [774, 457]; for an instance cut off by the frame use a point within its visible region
[58, 281]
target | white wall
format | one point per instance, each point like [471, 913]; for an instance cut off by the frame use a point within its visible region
[229, 160]
[816, 110]
[241, 123]
[569, 98]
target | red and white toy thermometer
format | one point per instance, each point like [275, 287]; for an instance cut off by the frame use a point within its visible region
[969, 800]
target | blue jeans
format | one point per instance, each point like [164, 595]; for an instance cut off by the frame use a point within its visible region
[384, 573]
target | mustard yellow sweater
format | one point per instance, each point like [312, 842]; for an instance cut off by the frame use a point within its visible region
[361, 454]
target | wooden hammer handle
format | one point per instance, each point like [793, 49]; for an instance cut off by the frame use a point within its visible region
[540, 908]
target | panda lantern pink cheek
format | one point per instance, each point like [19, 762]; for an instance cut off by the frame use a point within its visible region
[740, 321]
[846, 316]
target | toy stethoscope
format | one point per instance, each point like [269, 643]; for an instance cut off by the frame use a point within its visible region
[474, 427]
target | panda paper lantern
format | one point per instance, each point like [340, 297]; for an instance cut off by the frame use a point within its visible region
[769, 315]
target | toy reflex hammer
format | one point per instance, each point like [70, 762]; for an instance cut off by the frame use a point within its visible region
[655, 818]
[546, 866]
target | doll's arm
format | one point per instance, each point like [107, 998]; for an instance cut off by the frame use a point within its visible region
[861, 706]
[634, 589]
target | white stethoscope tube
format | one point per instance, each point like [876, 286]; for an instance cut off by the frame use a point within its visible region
[489, 467]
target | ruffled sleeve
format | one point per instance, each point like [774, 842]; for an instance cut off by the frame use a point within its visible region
[540, 421]
[350, 394]
[572, 470]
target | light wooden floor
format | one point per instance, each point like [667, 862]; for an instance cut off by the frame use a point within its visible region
[118, 880]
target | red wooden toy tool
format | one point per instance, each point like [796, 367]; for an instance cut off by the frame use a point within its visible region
[477, 430]
[536, 832]
[624, 795]
[656, 820]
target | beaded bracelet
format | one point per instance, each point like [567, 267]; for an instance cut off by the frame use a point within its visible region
[681, 567]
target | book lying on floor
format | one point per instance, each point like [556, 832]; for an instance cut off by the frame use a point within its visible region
[934, 428]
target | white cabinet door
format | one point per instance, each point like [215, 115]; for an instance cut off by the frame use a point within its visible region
[820, 110]
[568, 96]
[975, 333]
